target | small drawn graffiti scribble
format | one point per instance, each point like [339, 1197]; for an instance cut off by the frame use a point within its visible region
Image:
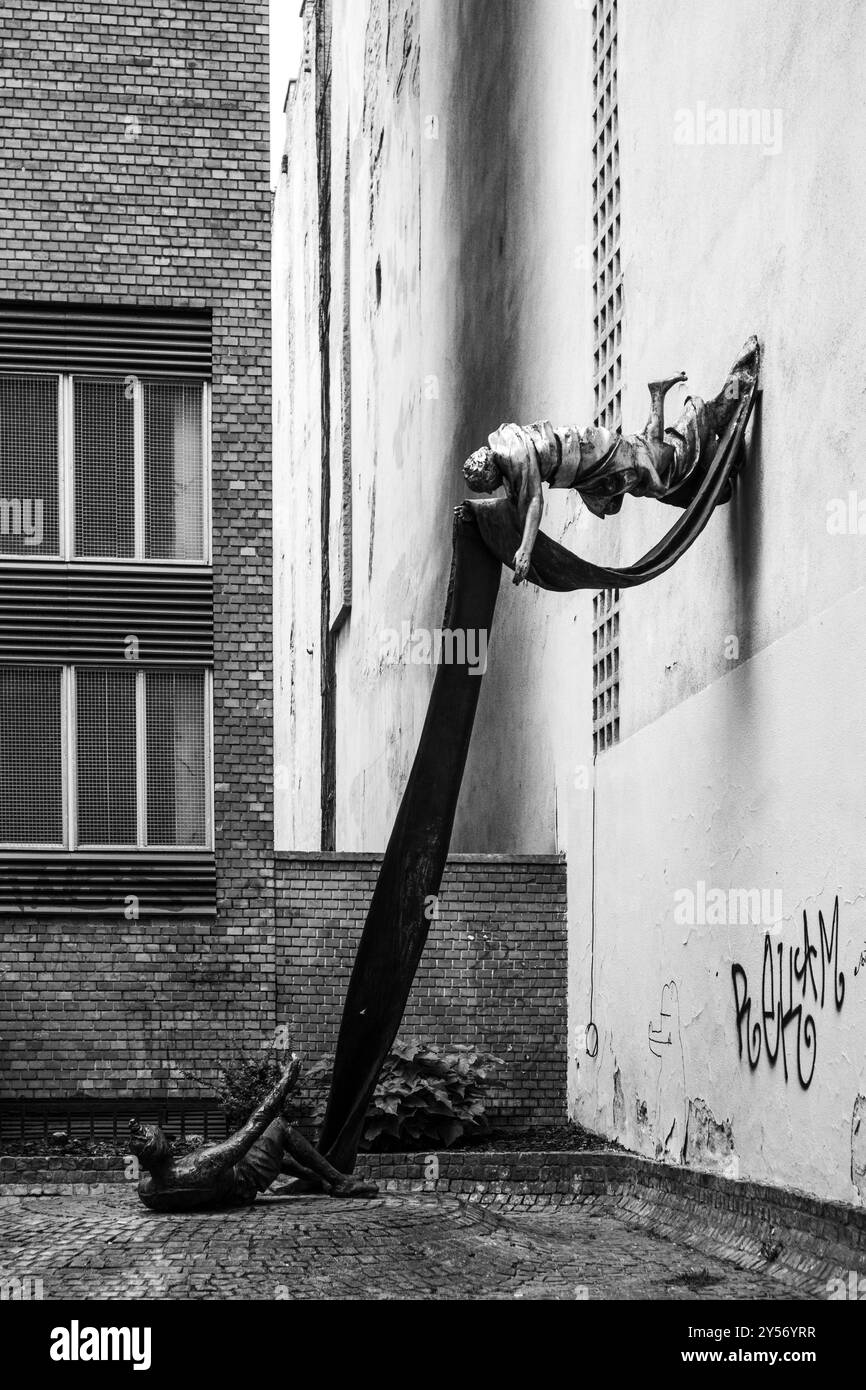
[660, 1035]
[858, 1147]
[666, 1043]
[861, 962]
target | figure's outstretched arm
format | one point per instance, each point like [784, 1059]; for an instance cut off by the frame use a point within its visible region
[531, 524]
[514, 451]
[232, 1150]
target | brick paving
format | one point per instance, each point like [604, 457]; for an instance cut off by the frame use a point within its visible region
[409, 1246]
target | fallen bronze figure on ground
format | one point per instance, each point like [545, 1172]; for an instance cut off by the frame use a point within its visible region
[234, 1172]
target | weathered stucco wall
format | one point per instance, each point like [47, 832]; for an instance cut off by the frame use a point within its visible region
[376, 113]
[297, 475]
[506, 310]
[466, 306]
[741, 692]
[743, 787]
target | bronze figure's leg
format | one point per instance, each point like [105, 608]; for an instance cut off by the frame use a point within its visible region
[312, 1168]
[655, 426]
[695, 435]
[282, 1149]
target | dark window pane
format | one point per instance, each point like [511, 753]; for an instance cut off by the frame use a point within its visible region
[175, 758]
[173, 465]
[104, 467]
[31, 756]
[106, 757]
[28, 465]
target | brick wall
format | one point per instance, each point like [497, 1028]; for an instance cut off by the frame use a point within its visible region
[493, 971]
[136, 146]
[135, 142]
[120, 1009]
[110, 1008]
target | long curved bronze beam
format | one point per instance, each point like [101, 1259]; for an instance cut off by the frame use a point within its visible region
[486, 536]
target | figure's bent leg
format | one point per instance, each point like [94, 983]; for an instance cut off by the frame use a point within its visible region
[655, 426]
[290, 1168]
[317, 1168]
[262, 1162]
[696, 433]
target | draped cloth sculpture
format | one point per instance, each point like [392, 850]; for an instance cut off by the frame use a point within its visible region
[487, 535]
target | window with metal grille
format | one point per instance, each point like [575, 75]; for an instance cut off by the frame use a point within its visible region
[607, 267]
[125, 456]
[605, 669]
[106, 757]
[29, 466]
[173, 470]
[175, 716]
[134, 772]
[104, 468]
[31, 756]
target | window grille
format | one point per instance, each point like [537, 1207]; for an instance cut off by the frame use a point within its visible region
[31, 756]
[104, 468]
[173, 470]
[29, 465]
[605, 669]
[134, 773]
[175, 758]
[606, 260]
[133, 455]
[106, 762]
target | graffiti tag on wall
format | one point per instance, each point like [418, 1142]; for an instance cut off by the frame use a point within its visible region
[789, 997]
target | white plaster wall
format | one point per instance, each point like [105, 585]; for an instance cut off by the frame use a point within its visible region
[744, 770]
[506, 306]
[375, 106]
[297, 450]
[718, 242]
[755, 782]
[455, 111]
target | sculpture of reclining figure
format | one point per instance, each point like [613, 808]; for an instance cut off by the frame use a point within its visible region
[234, 1172]
[602, 466]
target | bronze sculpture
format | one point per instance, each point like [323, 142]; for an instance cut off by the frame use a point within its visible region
[487, 535]
[234, 1172]
[691, 465]
[667, 464]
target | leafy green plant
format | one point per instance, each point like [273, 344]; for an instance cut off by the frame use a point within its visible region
[427, 1096]
[244, 1081]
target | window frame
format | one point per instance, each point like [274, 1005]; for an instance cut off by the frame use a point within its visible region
[69, 770]
[66, 474]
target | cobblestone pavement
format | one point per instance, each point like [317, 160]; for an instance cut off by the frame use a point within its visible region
[398, 1246]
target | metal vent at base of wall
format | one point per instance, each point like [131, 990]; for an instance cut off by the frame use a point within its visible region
[107, 1119]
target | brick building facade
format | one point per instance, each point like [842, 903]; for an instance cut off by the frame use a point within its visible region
[137, 177]
[136, 228]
